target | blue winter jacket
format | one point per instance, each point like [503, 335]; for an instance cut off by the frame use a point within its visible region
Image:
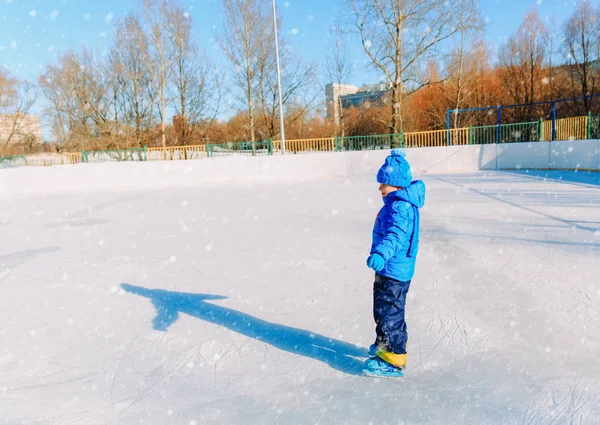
[396, 231]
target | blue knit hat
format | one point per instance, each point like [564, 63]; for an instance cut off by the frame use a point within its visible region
[395, 171]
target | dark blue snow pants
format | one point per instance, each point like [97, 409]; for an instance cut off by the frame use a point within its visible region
[389, 298]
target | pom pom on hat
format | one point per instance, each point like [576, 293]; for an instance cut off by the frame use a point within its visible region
[395, 171]
[398, 152]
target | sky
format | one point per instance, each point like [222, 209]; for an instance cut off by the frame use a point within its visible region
[35, 32]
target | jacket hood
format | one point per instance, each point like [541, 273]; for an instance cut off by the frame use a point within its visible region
[413, 194]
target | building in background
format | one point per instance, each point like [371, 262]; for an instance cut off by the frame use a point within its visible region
[333, 92]
[348, 96]
[20, 130]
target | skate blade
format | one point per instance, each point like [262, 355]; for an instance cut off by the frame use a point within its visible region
[379, 374]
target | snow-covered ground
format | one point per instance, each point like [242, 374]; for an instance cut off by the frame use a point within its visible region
[242, 303]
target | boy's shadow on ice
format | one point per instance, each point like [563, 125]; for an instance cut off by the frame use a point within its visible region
[337, 354]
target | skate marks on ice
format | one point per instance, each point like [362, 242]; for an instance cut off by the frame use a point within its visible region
[78, 223]
[573, 403]
[15, 259]
[342, 356]
[500, 197]
[85, 215]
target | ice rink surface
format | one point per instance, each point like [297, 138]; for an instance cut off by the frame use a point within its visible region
[246, 303]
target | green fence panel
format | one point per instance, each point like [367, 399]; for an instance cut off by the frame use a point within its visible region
[116, 155]
[337, 143]
[520, 132]
[12, 161]
[483, 135]
[259, 148]
[594, 127]
[372, 142]
[509, 133]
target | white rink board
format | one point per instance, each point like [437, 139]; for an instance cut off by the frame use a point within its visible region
[575, 154]
[105, 176]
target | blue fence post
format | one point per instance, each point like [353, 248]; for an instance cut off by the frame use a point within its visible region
[499, 135]
[145, 153]
[448, 128]
[553, 120]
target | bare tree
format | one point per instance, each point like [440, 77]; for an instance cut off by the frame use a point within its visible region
[161, 52]
[77, 98]
[582, 45]
[523, 62]
[553, 92]
[196, 89]
[54, 83]
[131, 81]
[470, 25]
[246, 33]
[16, 125]
[296, 83]
[339, 69]
[400, 37]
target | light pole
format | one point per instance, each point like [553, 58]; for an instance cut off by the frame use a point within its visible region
[281, 127]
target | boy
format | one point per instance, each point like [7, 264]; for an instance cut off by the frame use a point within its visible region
[393, 255]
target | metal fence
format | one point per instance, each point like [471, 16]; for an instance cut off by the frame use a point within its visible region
[324, 144]
[40, 160]
[13, 161]
[117, 155]
[259, 148]
[172, 153]
[372, 142]
[577, 128]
